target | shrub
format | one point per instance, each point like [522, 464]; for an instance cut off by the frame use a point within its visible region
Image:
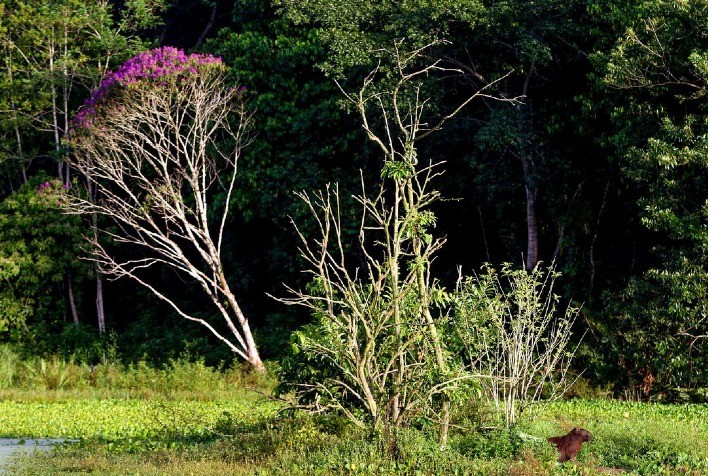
[514, 336]
[54, 373]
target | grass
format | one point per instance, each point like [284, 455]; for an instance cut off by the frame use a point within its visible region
[188, 419]
[646, 438]
[236, 438]
[55, 379]
[125, 419]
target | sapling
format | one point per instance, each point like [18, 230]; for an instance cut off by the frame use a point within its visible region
[377, 321]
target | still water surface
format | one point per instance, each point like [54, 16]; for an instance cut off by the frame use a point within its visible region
[17, 446]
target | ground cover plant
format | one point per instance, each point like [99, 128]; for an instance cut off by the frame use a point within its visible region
[639, 437]
[201, 432]
[118, 420]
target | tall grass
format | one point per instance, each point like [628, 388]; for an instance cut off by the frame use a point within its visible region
[53, 377]
[9, 362]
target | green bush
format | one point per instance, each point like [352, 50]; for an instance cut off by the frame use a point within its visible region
[9, 360]
[179, 378]
[55, 373]
[502, 443]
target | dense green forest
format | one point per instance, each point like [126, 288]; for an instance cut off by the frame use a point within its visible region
[587, 149]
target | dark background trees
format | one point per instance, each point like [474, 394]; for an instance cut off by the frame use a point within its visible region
[601, 167]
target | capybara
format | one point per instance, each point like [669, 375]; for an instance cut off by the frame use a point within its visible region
[570, 444]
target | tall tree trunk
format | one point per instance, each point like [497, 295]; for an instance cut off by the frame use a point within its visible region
[100, 309]
[526, 157]
[72, 301]
[484, 234]
[208, 26]
[394, 260]
[55, 106]
[594, 238]
[13, 108]
[66, 92]
[253, 357]
[423, 288]
[531, 223]
[20, 153]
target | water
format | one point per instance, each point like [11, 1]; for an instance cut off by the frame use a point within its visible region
[17, 446]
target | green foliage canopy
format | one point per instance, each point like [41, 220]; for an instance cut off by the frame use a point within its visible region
[38, 254]
[662, 314]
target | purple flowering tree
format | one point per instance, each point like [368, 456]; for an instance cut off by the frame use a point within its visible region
[154, 140]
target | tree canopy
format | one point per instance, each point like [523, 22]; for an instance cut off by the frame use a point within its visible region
[596, 160]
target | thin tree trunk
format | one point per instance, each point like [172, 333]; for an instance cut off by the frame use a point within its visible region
[530, 188]
[20, 152]
[439, 357]
[531, 223]
[430, 322]
[13, 108]
[484, 233]
[254, 357]
[72, 301]
[100, 309]
[55, 107]
[395, 257]
[208, 26]
[66, 90]
[100, 312]
[594, 237]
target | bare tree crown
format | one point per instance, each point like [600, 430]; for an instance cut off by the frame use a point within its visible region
[153, 141]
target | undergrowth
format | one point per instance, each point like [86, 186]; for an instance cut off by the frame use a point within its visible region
[188, 418]
[253, 441]
[51, 378]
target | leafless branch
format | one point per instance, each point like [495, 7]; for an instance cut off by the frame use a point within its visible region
[154, 154]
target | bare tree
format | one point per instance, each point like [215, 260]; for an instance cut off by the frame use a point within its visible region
[155, 141]
[379, 323]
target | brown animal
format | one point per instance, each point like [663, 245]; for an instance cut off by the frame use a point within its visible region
[570, 444]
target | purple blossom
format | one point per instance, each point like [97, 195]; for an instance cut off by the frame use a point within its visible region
[161, 66]
[48, 187]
